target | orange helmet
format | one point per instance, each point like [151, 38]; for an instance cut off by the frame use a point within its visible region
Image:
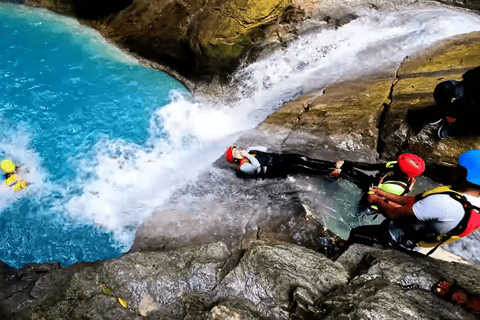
[411, 164]
[229, 154]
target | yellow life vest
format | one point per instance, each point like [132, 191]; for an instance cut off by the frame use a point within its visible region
[13, 182]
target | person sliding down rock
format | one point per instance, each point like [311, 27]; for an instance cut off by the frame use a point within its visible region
[433, 218]
[395, 177]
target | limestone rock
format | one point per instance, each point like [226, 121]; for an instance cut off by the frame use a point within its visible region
[342, 120]
[207, 40]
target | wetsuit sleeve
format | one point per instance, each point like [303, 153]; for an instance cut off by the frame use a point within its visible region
[252, 167]
[367, 166]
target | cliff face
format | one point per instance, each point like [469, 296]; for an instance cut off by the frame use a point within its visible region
[208, 40]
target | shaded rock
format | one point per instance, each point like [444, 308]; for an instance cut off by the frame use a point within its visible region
[271, 280]
[223, 207]
[158, 280]
[208, 40]
[151, 283]
[268, 273]
[393, 285]
[233, 309]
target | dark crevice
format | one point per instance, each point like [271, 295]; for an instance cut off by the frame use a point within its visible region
[381, 145]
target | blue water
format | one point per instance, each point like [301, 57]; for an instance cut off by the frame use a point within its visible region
[65, 94]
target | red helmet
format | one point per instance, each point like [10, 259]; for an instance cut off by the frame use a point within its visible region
[229, 154]
[411, 164]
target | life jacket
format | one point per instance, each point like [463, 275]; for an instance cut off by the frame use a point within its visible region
[469, 223]
[393, 186]
[393, 182]
[14, 182]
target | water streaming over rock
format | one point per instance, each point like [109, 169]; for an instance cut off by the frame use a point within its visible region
[132, 142]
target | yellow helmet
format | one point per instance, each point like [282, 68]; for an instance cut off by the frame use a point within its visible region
[7, 166]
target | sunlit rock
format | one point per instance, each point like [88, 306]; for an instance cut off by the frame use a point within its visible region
[417, 78]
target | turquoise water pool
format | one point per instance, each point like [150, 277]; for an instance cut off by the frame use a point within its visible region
[66, 98]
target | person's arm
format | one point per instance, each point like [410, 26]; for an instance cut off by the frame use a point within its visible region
[392, 206]
[250, 167]
[399, 200]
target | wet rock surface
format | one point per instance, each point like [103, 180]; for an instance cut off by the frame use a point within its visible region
[267, 280]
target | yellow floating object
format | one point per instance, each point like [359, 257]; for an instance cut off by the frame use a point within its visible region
[17, 185]
[122, 302]
[20, 185]
[10, 180]
[7, 166]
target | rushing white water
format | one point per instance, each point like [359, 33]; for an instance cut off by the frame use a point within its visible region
[129, 185]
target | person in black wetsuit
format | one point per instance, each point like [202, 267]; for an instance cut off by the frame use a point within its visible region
[458, 105]
[395, 177]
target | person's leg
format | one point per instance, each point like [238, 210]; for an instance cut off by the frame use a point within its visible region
[369, 235]
[304, 164]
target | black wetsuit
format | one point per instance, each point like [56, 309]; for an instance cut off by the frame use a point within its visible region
[275, 165]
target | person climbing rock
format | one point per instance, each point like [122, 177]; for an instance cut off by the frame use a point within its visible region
[457, 105]
[433, 218]
[11, 178]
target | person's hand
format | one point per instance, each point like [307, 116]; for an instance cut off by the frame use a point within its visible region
[378, 192]
[373, 197]
[335, 173]
[239, 154]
